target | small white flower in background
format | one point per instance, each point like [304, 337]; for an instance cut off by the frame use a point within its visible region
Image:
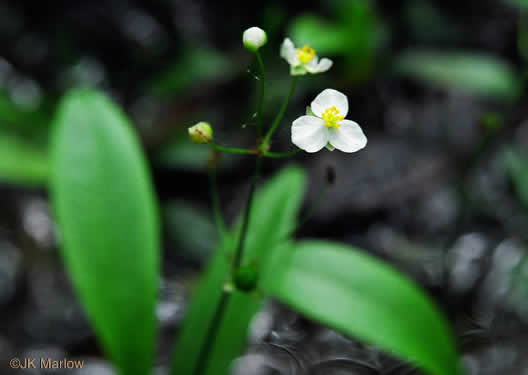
[201, 133]
[303, 60]
[328, 127]
[254, 38]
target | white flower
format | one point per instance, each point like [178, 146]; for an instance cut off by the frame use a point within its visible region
[254, 38]
[328, 127]
[303, 60]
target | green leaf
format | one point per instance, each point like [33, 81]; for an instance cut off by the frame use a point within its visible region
[105, 206]
[21, 119]
[523, 4]
[325, 37]
[190, 229]
[197, 65]
[22, 162]
[273, 217]
[181, 153]
[364, 298]
[517, 166]
[477, 74]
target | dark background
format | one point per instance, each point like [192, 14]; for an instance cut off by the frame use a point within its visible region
[433, 192]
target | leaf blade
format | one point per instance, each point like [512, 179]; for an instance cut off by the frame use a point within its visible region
[353, 293]
[273, 217]
[105, 206]
[22, 163]
[475, 73]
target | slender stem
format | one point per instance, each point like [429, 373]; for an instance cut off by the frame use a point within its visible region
[278, 155]
[255, 152]
[219, 220]
[232, 150]
[280, 115]
[212, 331]
[261, 94]
[240, 247]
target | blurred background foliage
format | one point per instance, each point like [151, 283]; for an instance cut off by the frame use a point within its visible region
[441, 191]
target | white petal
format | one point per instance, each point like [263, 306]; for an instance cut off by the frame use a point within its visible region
[315, 66]
[309, 133]
[324, 65]
[289, 52]
[311, 66]
[349, 137]
[329, 98]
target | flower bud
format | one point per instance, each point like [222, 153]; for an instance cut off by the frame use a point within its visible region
[254, 38]
[246, 278]
[201, 133]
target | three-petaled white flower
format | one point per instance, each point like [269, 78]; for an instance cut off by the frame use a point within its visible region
[303, 60]
[328, 127]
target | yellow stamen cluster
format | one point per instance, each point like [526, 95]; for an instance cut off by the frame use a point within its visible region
[331, 118]
[306, 54]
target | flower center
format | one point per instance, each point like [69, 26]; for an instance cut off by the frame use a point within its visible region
[306, 54]
[331, 118]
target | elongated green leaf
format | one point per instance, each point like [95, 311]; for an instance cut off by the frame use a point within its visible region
[523, 4]
[190, 229]
[105, 206]
[22, 163]
[197, 65]
[325, 36]
[273, 217]
[23, 120]
[364, 298]
[478, 74]
[182, 154]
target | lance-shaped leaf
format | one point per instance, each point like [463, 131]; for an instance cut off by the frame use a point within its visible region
[273, 217]
[477, 74]
[107, 215]
[22, 163]
[364, 298]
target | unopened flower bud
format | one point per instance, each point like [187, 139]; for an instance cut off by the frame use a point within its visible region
[246, 278]
[201, 133]
[254, 38]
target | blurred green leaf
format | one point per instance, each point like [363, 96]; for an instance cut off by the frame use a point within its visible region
[325, 37]
[182, 154]
[517, 165]
[106, 210]
[22, 162]
[16, 117]
[519, 3]
[362, 297]
[190, 229]
[196, 66]
[273, 217]
[355, 33]
[478, 74]
[428, 23]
